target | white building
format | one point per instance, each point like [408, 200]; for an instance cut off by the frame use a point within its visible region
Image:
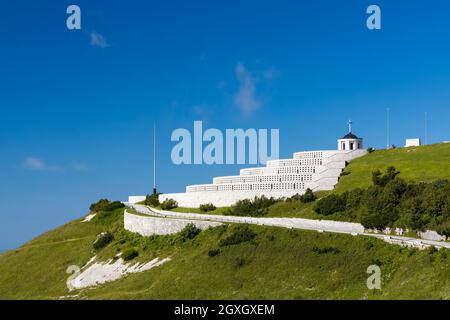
[412, 143]
[317, 170]
[350, 141]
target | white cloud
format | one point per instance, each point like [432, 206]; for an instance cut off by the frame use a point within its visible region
[37, 164]
[97, 40]
[79, 166]
[34, 164]
[245, 99]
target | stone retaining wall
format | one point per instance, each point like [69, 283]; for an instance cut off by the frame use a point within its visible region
[147, 226]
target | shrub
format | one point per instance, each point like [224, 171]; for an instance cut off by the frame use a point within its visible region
[99, 205]
[381, 207]
[103, 239]
[444, 229]
[370, 150]
[308, 196]
[353, 199]
[239, 234]
[169, 204]
[295, 197]
[331, 204]
[113, 206]
[432, 250]
[207, 207]
[189, 232]
[252, 208]
[213, 252]
[152, 200]
[325, 250]
[382, 180]
[130, 254]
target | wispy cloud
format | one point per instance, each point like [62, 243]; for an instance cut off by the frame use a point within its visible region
[34, 164]
[245, 99]
[37, 164]
[97, 40]
[79, 166]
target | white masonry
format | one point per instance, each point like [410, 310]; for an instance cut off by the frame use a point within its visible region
[316, 170]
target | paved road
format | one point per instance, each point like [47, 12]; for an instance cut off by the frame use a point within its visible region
[294, 223]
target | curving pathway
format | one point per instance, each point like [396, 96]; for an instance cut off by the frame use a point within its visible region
[294, 223]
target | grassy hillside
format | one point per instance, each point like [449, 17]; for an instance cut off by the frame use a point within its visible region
[426, 163]
[276, 264]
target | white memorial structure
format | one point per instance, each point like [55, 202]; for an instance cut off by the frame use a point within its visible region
[413, 143]
[316, 170]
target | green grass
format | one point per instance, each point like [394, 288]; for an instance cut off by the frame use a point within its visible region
[277, 264]
[426, 163]
[296, 209]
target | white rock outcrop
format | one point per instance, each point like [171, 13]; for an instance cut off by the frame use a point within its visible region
[95, 273]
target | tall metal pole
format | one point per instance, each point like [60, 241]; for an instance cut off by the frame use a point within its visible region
[154, 158]
[387, 128]
[426, 128]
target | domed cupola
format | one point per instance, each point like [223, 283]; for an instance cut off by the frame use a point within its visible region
[350, 141]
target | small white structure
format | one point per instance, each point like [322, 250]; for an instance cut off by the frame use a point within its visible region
[412, 143]
[136, 199]
[316, 170]
[350, 141]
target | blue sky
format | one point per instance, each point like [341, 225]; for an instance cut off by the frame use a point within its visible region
[77, 107]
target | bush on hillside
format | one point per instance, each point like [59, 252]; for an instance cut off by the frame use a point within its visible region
[207, 207]
[382, 204]
[129, 254]
[152, 200]
[382, 180]
[325, 250]
[239, 234]
[189, 232]
[353, 199]
[444, 229]
[331, 204]
[256, 207]
[169, 204]
[308, 196]
[213, 252]
[113, 206]
[99, 205]
[103, 239]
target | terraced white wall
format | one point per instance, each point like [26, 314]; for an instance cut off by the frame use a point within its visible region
[147, 226]
[317, 170]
